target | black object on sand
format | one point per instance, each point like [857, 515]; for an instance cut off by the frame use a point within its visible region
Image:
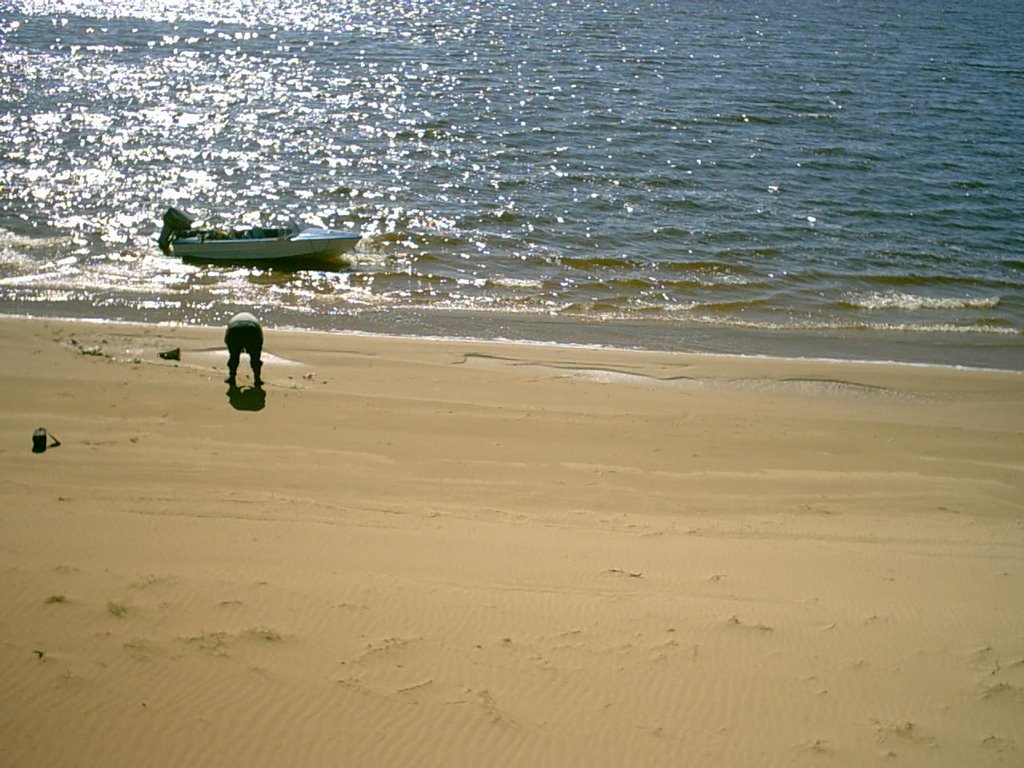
[40, 439]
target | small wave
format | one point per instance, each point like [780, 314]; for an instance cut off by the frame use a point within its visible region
[811, 325]
[517, 282]
[14, 242]
[743, 117]
[736, 306]
[483, 219]
[700, 314]
[599, 262]
[699, 283]
[912, 302]
[707, 265]
[415, 240]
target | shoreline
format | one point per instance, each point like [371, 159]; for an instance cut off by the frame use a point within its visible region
[631, 336]
[463, 553]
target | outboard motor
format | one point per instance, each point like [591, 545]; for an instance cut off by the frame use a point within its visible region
[176, 224]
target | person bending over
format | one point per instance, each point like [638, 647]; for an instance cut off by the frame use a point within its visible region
[244, 334]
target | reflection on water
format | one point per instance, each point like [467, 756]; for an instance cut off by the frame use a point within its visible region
[680, 164]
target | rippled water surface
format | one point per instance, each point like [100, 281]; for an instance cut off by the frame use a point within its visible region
[804, 177]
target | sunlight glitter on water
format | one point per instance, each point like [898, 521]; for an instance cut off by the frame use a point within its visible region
[630, 161]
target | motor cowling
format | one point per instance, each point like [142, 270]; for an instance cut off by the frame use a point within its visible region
[176, 224]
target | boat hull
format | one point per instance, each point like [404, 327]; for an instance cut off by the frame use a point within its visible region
[310, 245]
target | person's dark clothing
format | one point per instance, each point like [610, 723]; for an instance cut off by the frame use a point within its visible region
[244, 334]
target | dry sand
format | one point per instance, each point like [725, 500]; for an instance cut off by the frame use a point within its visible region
[428, 553]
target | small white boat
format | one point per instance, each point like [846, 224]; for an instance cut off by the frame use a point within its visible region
[253, 244]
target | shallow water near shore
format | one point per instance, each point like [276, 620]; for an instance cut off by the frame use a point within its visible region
[802, 181]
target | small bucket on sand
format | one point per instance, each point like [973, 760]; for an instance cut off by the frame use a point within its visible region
[40, 441]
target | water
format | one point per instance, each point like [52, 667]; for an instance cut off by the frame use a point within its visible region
[804, 178]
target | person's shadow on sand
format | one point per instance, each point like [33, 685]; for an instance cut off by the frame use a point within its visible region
[248, 399]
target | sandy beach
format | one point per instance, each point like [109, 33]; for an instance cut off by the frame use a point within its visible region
[443, 553]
